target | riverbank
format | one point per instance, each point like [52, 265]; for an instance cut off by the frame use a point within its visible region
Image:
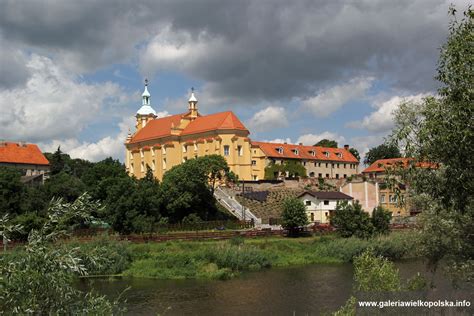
[229, 258]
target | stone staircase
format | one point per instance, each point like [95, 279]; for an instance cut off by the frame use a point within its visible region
[234, 207]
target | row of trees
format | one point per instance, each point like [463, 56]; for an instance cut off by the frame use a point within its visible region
[349, 219]
[130, 204]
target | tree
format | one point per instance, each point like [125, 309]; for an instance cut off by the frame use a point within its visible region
[65, 186]
[39, 279]
[383, 151]
[381, 220]
[355, 153]
[294, 215]
[56, 161]
[290, 168]
[188, 188]
[351, 220]
[326, 143]
[439, 129]
[11, 191]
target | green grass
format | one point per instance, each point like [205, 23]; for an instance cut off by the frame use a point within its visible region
[225, 259]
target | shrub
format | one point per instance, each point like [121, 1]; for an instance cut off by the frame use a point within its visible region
[381, 220]
[293, 215]
[351, 220]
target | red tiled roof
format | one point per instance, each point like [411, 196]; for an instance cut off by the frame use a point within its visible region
[157, 128]
[22, 154]
[382, 164]
[304, 152]
[223, 120]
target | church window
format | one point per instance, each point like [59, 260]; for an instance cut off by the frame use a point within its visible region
[240, 150]
[226, 150]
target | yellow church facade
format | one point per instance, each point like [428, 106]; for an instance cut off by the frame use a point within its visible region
[161, 143]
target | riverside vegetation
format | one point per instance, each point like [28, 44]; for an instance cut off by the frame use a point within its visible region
[229, 258]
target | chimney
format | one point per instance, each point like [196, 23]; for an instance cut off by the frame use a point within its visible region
[346, 147]
[285, 143]
[301, 144]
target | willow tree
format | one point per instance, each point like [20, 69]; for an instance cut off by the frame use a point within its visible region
[440, 130]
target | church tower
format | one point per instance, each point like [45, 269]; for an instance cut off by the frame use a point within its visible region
[193, 110]
[146, 113]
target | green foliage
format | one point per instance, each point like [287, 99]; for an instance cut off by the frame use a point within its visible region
[38, 279]
[188, 188]
[294, 215]
[64, 185]
[351, 220]
[103, 256]
[383, 151]
[355, 153]
[326, 143]
[381, 220]
[374, 273]
[11, 190]
[439, 129]
[292, 168]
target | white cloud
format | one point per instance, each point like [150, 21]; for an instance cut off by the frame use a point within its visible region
[53, 103]
[330, 100]
[279, 141]
[311, 139]
[110, 146]
[381, 120]
[269, 118]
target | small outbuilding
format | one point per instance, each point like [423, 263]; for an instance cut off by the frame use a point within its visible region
[321, 205]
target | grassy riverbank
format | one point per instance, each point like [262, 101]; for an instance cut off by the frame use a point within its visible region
[226, 259]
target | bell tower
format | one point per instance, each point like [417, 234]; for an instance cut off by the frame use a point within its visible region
[193, 110]
[146, 113]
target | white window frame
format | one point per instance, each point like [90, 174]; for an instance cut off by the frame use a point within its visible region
[226, 150]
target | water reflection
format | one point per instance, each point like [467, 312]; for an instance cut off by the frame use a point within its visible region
[308, 290]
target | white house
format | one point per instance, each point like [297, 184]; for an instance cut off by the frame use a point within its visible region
[321, 205]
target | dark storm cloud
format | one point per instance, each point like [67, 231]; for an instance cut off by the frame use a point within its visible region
[248, 49]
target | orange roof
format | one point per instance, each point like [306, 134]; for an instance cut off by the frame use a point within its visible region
[157, 128]
[382, 164]
[223, 120]
[22, 154]
[306, 152]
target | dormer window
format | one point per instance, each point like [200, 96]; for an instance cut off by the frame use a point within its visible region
[312, 153]
[280, 150]
[339, 155]
[326, 154]
[295, 151]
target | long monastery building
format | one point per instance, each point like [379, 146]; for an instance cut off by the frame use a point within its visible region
[161, 143]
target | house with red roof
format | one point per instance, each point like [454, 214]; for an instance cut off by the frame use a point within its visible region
[26, 157]
[161, 143]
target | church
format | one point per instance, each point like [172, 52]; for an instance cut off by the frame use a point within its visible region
[161, 143]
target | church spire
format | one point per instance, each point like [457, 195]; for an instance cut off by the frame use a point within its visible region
[146, 112]
[193, 104]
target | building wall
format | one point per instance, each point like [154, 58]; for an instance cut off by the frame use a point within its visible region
[316, 210]
[174, 150]
[388, 200]
[363, 191]
[27, 169]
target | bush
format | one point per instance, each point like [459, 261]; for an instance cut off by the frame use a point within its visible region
[293, 215]
[351, 220]
[238, 259]
[381, 220]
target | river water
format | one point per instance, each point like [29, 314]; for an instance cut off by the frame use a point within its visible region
[304, 290]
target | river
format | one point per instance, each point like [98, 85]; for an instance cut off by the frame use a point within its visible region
[304, 290]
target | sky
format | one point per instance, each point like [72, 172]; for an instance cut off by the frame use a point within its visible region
[72, 72]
